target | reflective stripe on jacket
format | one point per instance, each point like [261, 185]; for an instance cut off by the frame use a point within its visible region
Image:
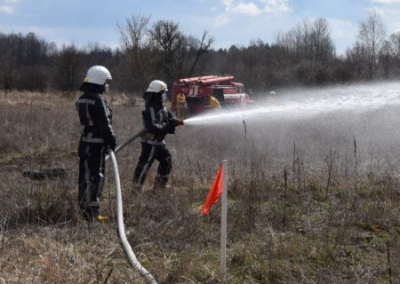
[95, 118]
[156, 119]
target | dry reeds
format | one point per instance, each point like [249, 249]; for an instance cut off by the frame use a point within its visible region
[295, 214]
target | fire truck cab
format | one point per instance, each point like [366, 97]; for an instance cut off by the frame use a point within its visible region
[196, 90]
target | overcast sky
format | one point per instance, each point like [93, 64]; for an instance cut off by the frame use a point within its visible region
[229, 21]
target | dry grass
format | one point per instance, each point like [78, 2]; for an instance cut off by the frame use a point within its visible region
[297, 212]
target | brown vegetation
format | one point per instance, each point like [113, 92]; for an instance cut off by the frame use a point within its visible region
[308, 202]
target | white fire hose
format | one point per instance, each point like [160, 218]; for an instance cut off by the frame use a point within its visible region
[129, 140]
[121, 228]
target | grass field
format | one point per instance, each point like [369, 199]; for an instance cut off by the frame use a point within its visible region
[313, 200]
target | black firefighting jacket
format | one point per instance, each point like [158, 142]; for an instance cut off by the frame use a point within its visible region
[158, 122]
[95, 117]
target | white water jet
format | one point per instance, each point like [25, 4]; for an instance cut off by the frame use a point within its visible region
[298, 104]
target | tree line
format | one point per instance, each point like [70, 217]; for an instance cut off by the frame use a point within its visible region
[303, 56]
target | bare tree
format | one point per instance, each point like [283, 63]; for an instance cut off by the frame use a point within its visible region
[160, 51]
[34, 49]
[8, 64]
[308, 40]
[371, 35]
[204, 45]
[8, 68]
[140, 51]
[304, 31]
[309, 48]
[168, 37]
[387, 58]
[356, 58]
[394, 44]
[321, 41]
[69, 68]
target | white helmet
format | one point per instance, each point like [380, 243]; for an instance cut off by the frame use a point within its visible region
[97, 75]
[272, 93]
[157, 86]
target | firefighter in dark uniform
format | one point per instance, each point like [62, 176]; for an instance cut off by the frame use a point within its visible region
[97, 135]
[158, 121]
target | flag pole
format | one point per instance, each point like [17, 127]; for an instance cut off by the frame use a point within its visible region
[224, 211]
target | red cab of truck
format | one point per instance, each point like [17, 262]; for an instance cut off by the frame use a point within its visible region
[196, 90]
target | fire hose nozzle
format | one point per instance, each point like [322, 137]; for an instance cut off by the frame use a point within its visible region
[176, 122]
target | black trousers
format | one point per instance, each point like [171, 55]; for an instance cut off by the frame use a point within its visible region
[91, 177]
[148, 155]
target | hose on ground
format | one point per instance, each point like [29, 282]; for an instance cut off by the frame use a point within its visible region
[121, 227]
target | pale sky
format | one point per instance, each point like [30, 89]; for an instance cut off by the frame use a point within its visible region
[229, 21]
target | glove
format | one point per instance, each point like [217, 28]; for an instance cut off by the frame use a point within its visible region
[112, 145]
[175, 122]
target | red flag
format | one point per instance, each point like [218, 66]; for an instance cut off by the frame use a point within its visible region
[214, 194]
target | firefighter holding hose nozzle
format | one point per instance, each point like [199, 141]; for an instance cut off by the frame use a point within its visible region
[158, 121]
[97, 135]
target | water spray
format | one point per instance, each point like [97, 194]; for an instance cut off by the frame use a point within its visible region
[303, 104]
[358, 99]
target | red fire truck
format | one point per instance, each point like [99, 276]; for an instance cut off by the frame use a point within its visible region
[196, 90]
